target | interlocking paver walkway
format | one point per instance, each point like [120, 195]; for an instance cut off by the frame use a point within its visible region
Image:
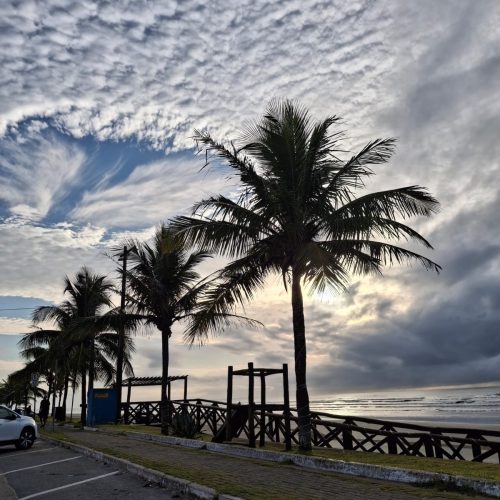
[250, 478]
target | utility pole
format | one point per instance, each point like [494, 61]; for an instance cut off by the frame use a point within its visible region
[121, 335]
[54, 398]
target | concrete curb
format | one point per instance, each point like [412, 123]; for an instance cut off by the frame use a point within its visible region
[395, 474]
[172, 484]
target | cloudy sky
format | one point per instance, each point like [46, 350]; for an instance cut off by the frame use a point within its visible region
[98, 101]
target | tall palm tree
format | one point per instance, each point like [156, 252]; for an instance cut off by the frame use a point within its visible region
[164, 288]
[297, 215]
[17, 389]
[80, 341]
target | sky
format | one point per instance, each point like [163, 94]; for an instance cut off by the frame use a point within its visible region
[98, 104]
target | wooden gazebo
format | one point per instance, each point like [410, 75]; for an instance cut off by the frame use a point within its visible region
[253, 409]
[150, 408]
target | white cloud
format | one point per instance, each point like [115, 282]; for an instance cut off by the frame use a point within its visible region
[37, 258]
[150, 194]
[14, 326]
[157, 71]
[425, 72]
[36, 173]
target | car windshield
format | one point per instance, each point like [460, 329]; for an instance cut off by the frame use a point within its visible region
[6, 413]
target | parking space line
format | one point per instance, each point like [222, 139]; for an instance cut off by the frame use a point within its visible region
[40, 465]
[68, 485]
[22, 453]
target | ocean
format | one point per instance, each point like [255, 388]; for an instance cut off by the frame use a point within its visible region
[478, 406]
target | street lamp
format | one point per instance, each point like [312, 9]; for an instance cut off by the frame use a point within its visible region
[121, 332]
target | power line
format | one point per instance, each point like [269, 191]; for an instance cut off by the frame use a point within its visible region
[18, 308]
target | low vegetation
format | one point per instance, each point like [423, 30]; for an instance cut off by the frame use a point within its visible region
[474, 470]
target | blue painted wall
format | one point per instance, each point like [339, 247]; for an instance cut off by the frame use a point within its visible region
[101, 406]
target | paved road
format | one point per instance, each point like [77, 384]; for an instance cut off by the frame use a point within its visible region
[50, 472]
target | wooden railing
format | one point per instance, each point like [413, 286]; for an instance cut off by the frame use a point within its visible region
[332, 431]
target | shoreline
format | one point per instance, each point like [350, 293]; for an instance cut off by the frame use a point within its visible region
[444, 423]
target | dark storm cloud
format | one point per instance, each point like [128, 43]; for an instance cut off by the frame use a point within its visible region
[449, 336]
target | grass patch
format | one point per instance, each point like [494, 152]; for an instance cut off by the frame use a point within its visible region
[222, 482]
[57, 434]
[475, 470]
[146, 429]
[219, 481]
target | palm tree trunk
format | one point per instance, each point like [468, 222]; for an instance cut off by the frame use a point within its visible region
[164, 410]
[92, 364]
[299, 338]
[72, 398]
[83, 414]
[65, 398]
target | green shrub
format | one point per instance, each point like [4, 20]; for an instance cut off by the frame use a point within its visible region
[184, 425]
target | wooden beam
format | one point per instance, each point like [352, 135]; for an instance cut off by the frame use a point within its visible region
[229, 409]
[263, 409]
[251, 408]
[286, 402]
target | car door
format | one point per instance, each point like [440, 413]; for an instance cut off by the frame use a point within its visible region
[9, 425]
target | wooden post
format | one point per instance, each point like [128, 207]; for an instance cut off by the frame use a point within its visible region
[286, 398]
[185, 388]
[251, 407]
[392, 444]
[215, 406]
[121, 339]
[229, 410]
[438, 445]
[198, 415]
[262, 409]
[347, 439]
[429, 448]
[129, 391]
[476, 447]
[168, 391]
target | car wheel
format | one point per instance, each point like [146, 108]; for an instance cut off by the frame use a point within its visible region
[26, 439]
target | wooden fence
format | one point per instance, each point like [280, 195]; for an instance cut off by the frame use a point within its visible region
[331, 431]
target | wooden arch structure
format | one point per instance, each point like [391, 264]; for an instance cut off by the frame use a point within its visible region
[145, 382]
[236, 415]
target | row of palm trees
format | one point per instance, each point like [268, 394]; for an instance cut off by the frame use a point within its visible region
[77, 349]
[295, 214]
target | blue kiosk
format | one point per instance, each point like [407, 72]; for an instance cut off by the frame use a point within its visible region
[101, 407]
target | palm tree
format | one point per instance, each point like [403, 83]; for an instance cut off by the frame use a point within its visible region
[163, 289]
[17, 389]
[80, 340]
[297, 215]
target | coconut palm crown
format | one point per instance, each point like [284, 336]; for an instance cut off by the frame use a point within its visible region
[80, 340]
[296, 214]
[164, 288]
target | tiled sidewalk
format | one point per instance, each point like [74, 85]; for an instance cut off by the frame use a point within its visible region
[249, 478]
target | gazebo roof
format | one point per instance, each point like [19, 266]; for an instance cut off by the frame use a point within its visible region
[143, 381]
[259, 371]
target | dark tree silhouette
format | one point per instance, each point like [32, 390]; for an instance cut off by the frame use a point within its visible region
[296, 214]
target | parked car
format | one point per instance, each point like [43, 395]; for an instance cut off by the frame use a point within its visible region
[16, 429]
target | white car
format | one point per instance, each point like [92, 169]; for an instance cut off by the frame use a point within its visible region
[17, 429]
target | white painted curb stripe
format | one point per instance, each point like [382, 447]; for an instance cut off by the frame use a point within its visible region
[39, 465]
[69, 485]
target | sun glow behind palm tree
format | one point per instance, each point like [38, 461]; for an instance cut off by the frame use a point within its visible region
[297, 215]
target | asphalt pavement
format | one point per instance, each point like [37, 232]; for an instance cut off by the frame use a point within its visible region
[49, 472]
